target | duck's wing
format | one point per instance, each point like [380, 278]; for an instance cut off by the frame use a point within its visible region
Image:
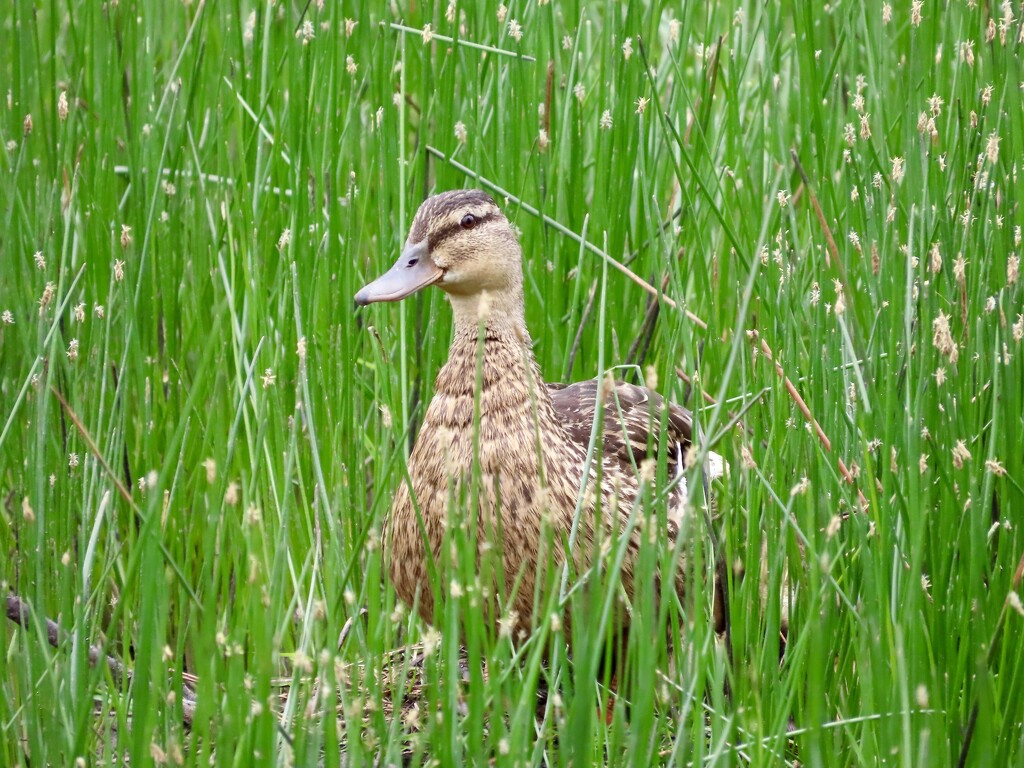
[632, 423]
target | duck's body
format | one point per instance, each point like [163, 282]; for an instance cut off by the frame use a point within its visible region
[515, 414]
[531, 440]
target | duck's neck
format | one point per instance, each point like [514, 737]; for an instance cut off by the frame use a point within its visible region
[501, 313]
[497, 320]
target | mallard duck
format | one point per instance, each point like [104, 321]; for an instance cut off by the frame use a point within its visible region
[533, 437]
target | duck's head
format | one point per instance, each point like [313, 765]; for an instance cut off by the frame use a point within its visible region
[461, 242]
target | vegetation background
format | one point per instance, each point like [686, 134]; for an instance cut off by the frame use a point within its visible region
[199, 435]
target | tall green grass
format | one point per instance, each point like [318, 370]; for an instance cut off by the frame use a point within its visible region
[208, 184]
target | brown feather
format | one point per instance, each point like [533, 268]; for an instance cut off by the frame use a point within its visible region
[632, 421]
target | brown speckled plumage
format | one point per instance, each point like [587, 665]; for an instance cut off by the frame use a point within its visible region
[533, 437]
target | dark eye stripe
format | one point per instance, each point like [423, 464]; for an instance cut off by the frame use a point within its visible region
[455, 228]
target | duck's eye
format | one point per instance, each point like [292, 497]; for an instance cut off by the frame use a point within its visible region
[468, 221]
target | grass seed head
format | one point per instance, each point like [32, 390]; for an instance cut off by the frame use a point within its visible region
[915, 12]
[992, 147]
[431, 641]
[48, 292]
[898, 170]
[967, 52]
[865, 126]
[960, 270]
[673, 30]
[960, 454]
[306, 32]
[995, 466]
[801, 487]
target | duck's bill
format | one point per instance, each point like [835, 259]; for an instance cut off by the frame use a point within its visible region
[413, 270]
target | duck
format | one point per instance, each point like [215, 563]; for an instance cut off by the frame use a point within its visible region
[493, 413]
